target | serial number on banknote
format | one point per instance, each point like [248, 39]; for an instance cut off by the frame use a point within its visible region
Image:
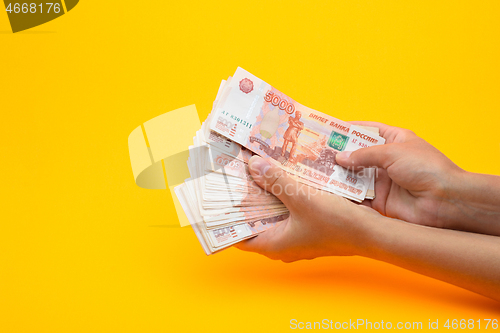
[237, 119]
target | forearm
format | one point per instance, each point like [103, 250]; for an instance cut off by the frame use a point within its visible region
[473, 203]
[470, 261]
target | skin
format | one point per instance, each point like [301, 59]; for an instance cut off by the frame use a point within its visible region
[419, 184]
[429, 216]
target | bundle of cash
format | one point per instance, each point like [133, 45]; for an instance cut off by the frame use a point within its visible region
[221, 200]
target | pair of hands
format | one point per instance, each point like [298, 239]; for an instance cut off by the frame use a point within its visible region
[416, 183]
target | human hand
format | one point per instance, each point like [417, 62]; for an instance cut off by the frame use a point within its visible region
[324, 224]
[320, 223]
[415, 181]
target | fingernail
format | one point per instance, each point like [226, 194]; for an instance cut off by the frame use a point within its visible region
[259, 165]
[344, 155]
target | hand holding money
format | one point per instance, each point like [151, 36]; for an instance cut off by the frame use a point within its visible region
[419, 184]
[320, 223]
[291, 203]
[222, 200]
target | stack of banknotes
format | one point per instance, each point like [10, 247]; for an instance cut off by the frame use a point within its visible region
[221, 200]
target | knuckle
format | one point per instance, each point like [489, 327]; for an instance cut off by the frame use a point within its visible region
[281, 255]
[278, 182]
[410, 132]
[290, 257]
[288, 260]
[393, 149]
[273, 176]
[272, 255]
[278, 175]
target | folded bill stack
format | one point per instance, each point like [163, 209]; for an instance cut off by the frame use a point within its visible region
[221, 200]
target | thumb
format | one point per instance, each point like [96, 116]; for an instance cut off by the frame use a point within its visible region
[375, 156]
[273, 179]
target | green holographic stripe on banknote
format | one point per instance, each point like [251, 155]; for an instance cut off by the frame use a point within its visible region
[338, 141]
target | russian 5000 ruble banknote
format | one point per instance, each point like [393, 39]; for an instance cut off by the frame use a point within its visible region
[303, 141]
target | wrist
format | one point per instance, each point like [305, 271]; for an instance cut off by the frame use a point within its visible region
[369, 233]
[473, 203]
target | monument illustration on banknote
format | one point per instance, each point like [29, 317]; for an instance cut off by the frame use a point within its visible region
[318, 155]
[313, 150]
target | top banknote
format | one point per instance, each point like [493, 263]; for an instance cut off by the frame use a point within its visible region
[303, 141]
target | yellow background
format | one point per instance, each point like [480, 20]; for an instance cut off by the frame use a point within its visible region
[83, 249]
